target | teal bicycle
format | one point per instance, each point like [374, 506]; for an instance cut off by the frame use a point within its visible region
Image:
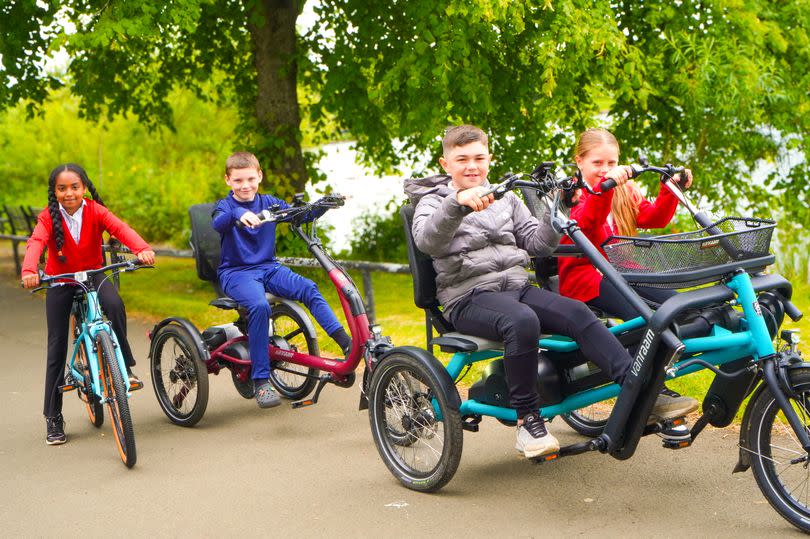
[96, 368]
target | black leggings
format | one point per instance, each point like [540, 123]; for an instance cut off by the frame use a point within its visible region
[611, 302]
[516, 317]
[58, 302]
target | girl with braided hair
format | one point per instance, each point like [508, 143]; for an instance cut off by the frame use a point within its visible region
[71, 228]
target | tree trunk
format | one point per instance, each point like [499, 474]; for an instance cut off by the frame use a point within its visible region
[277, 112]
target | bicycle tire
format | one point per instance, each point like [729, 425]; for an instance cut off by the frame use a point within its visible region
[92, 402]
[179, 376]
[774, 451]
[84, 387]
[115, 393]
[288, 325]
[404, 396]
[591, 420]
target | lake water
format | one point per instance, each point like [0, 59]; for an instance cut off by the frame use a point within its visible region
[366, 191]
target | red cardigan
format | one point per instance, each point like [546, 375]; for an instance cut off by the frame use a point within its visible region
[578, 278]
[87, 254]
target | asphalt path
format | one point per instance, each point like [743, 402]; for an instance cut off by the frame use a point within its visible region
[315, 472]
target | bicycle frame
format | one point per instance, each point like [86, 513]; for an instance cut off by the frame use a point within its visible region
[92, 324]
[661, 355]
[353, 308]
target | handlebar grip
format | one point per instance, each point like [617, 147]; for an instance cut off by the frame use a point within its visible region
[607, 184]
[792, 311]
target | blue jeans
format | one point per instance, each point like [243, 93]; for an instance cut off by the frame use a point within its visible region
[248, 286]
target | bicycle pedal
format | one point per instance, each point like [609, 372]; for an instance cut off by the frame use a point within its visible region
[545, 458]
[303, 403]
[136, 387]
[67, 387]
[675, 435]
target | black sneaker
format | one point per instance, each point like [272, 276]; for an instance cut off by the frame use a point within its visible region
[533, 440]
[55, 430]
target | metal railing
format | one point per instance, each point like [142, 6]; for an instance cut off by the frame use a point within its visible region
[365, 268]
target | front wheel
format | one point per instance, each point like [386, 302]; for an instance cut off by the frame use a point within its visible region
[179, 375]
[778, 461]
[417, 432]
[115, 394]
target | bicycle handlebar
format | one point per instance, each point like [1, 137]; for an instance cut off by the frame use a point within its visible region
[83, 276]
[667, 172]
[294, 212]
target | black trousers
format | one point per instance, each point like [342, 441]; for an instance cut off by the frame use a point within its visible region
[517, 318]
[613, 303]
[58, 302]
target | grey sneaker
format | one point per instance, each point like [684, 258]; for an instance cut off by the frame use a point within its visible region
[671, 404]
[266, 396]
[533, 440]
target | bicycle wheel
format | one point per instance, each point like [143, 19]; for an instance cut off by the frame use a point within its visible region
[288, 331]
[92, 402]
[417, 433]
[179, 375]
[115, 394]
[778, 461]
[84, 386]
[591, 420]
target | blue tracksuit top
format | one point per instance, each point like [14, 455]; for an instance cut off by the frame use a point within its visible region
[242, 246]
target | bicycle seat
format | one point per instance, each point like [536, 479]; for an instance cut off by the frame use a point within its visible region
[459, 342]
[227, 303]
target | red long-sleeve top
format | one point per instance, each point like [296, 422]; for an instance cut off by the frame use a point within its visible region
[87, 254]
[578, 278]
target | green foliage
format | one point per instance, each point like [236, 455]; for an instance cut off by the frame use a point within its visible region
[379, 237]
[716, 85]
[719, 85]
[148, 178]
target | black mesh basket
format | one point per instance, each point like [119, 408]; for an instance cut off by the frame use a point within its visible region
[693, 258]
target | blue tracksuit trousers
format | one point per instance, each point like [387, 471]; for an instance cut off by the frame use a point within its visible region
[247, 287]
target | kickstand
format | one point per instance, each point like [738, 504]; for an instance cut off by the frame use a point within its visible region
[322, 381]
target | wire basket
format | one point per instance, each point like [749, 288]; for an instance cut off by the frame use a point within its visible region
[692, 258]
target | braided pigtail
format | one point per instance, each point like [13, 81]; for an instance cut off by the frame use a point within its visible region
[92, 188]
[56, 216]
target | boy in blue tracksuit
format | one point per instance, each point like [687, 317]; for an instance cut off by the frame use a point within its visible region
[249, 268]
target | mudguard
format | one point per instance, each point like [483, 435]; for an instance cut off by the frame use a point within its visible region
[434, 366]
[299, 310]
[744, 461]
[188, 326]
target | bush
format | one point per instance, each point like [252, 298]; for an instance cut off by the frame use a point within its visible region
[380, 236]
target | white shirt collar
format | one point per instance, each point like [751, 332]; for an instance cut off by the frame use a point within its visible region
[74, 221]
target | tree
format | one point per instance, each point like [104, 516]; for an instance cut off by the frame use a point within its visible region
[715, 84]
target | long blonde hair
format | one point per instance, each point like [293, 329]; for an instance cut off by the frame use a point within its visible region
[626, 197]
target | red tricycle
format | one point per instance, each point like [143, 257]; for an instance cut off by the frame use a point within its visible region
[181, 356]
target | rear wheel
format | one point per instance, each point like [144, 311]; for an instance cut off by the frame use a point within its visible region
[288, 331]
[92, 402]
[778, 461]
[115, 394]
[179, 375]
[591, 420]
[417, 433]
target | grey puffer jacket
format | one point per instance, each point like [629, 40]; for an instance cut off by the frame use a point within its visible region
[487, 250]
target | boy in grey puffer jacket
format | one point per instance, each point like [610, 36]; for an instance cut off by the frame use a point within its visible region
[481, 248]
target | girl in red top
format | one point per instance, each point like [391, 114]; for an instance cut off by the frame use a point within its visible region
[620, 211]
[71, 228]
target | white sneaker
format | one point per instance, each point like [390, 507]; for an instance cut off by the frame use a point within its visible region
[533, 440]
